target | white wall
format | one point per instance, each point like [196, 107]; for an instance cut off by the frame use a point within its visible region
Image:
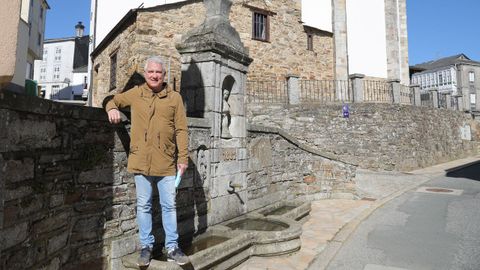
[318, 14]
[65, 64]
[367, 52]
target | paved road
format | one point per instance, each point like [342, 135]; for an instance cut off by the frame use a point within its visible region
[434, 227]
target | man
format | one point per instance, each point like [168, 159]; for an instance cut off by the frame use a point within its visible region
[158, 132]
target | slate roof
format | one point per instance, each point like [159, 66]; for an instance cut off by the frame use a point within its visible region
[445, 62]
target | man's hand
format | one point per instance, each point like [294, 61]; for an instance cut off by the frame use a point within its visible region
[114, 116]
[182, 168]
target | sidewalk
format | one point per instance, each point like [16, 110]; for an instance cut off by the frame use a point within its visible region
[332, 221]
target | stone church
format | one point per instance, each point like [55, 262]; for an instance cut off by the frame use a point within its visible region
[273, 33]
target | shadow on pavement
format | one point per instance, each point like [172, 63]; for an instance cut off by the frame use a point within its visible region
[471, 171]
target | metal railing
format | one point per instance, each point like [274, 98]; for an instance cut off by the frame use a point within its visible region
[325, 91]
[267, 92]
[377, 91]
[442, 101]
[426, 99]
[406, 95]
[296, 91]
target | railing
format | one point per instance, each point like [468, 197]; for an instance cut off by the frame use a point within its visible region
[442, 101]
[406, 95]
[295, 91]
[377, 91]
[325, 91]
[426, 99]
[267, 92]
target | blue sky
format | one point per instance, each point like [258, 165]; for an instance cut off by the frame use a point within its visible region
[63, 15]
[440, 28]
[436, 28]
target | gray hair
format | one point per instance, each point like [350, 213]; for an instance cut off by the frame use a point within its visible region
[155, 59]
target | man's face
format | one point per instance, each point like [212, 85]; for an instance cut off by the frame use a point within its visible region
[154, 76]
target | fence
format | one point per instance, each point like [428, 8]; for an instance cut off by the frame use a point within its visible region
[377, 91]
[296, 91]
[325, 91]
[426, 99]
[406, 95]
[267, 92]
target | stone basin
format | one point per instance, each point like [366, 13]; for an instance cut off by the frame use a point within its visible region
[254, 224]
[290, 209]
[264, 232]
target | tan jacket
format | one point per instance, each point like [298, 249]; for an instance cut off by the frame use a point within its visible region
[159, 128]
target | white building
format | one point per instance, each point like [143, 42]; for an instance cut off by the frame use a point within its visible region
[454, 76]
[376, 42]
[62, 73]
[30, 35]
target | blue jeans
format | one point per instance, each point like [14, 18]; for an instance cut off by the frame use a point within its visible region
[166, 191]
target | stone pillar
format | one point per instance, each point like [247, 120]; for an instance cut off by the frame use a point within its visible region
[448, 100]
[417, 101]
[214, 72]
[397, 40]
[340, 40]
[465, 92]
[434, 94]
[395, 90]
[477, 101]
[357, 86]
[293, 89]
[459, 103]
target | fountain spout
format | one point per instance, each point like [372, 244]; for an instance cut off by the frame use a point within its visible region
[233, 186]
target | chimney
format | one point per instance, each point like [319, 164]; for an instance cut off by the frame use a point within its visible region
[79, 29]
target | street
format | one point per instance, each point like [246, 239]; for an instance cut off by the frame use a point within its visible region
[434, 226]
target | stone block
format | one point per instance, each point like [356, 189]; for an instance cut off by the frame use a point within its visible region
[128, 225]
[96, 176]
[19, 192]
[242, 153]
[124, 246]
[227, 207]
[261, 155]
[90, 207]
[112, 229]
[54, 264]
[56, 200]
[221, 184]
[14, 235]
[57, 242]
[18, 170]
[238, 126]
[237, 105]
[51, 223]
[228, 168]
[99, 194]
[27, 134]
[87, 224]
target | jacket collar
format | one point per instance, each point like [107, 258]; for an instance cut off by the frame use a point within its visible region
[147, 92]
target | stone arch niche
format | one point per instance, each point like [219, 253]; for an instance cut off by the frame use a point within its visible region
[227, 105]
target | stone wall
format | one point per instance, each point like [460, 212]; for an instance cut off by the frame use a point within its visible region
[66, 200]
[65, 194]
[376, 136]
[127, 65]
[155, 31]
[281, 168]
